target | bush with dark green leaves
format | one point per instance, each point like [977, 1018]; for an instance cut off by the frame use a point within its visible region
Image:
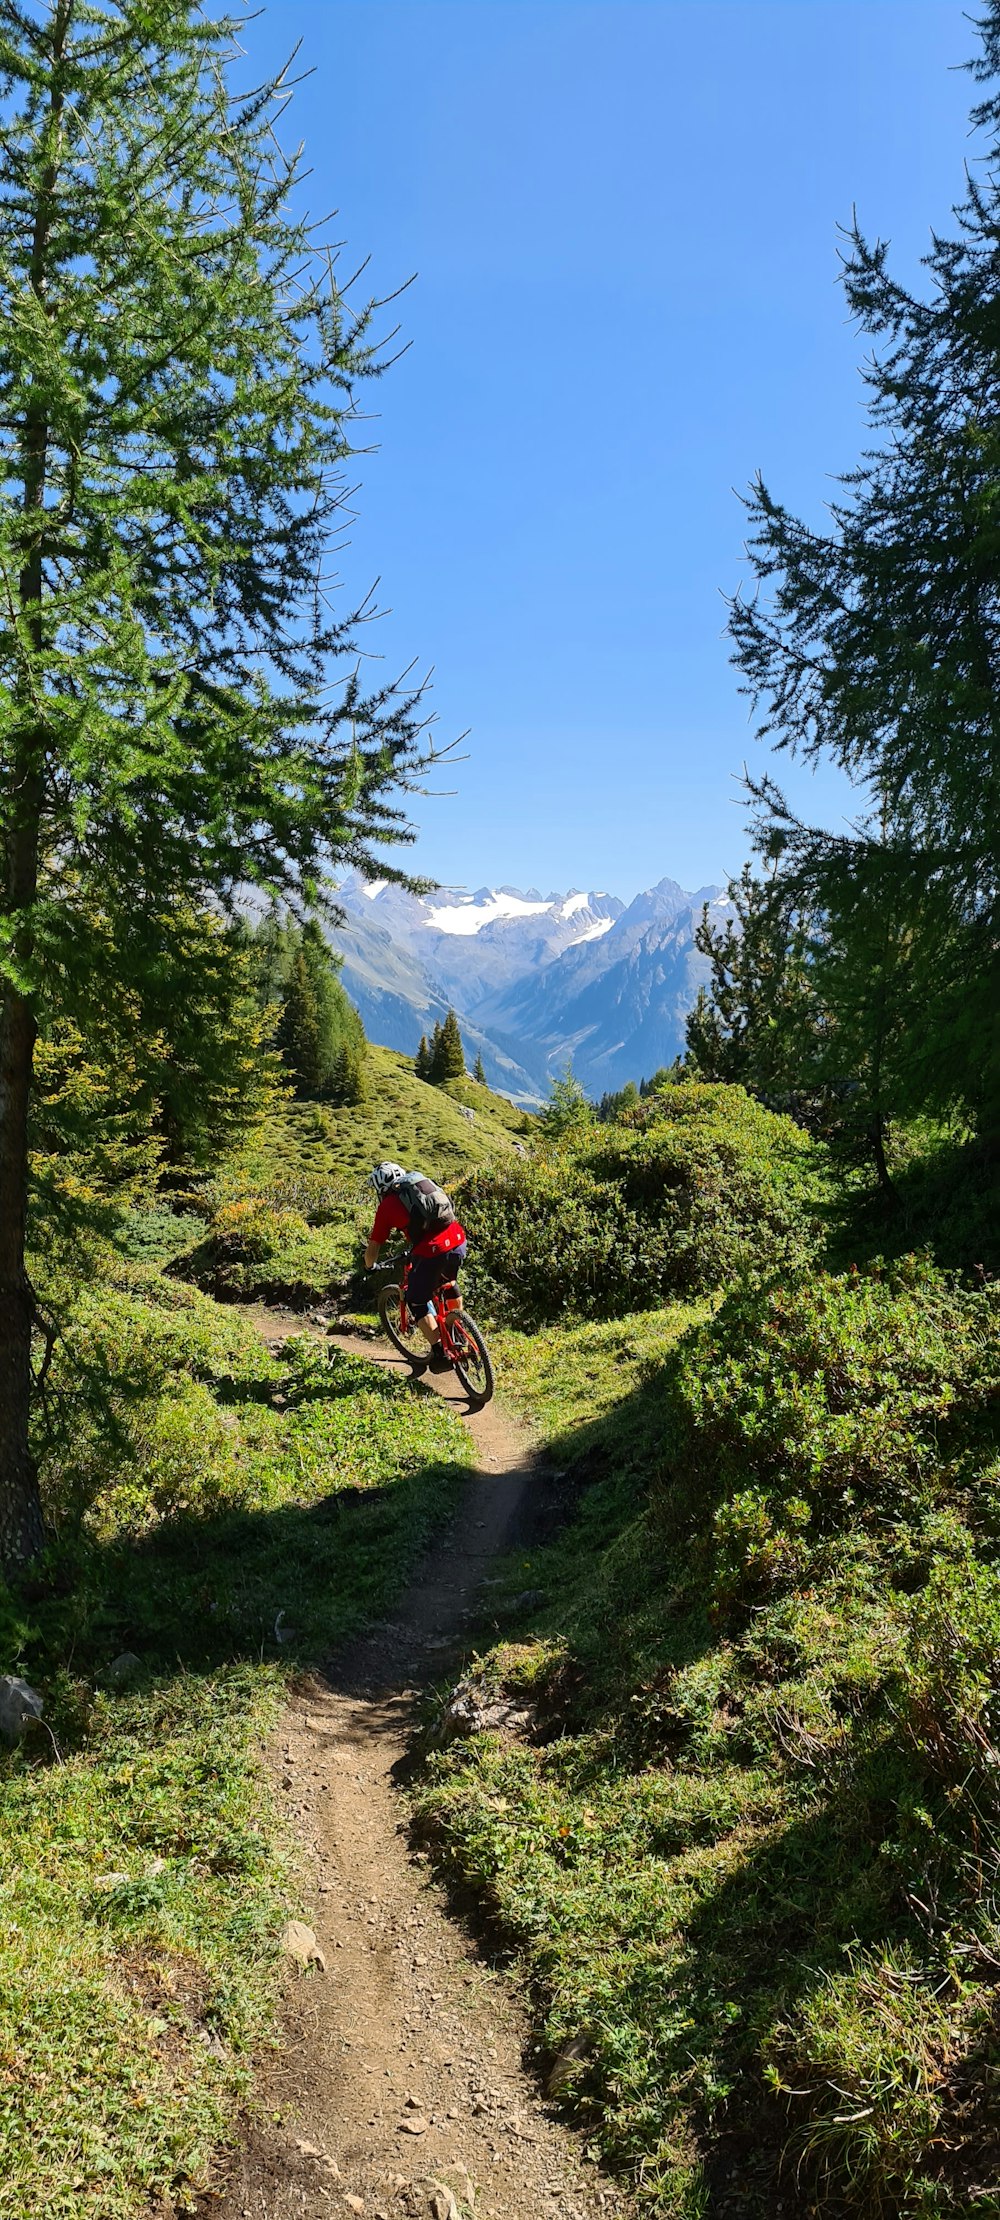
[862, 1406]
[697, 1187]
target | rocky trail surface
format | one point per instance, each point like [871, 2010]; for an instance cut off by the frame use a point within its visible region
[403, 2085]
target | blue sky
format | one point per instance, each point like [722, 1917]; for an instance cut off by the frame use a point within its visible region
[622, 216]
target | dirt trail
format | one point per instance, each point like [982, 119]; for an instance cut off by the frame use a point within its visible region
[403, 2085]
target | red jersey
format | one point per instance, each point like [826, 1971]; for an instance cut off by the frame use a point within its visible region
[392, 1216]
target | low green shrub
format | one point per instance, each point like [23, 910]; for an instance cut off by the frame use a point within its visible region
[253, 1249]
[748, 1844]
[693, 1189]
[858, 1406]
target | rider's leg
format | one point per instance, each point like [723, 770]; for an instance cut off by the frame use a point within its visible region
[447, 1267]
[423, 1281]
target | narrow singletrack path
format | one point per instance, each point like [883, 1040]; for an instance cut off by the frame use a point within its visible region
[403, 2085]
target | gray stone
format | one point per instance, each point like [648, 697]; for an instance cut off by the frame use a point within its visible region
[471, 1709]
[20, 1704]
[123, 1669]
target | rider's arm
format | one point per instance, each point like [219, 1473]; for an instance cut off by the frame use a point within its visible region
[390, 1217]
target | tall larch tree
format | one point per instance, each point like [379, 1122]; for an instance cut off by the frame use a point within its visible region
[178, 373]
[299, 1032]
[875, 641]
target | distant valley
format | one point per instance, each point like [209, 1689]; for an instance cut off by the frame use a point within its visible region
[535, 979]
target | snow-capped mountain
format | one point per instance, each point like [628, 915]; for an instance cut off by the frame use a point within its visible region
[477, 944]
[399, 998]
[618, 1008]
[534, 978]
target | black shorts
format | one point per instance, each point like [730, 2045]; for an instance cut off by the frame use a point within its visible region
[427, 1274]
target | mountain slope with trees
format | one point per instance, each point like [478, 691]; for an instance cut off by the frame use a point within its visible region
[729, 1797]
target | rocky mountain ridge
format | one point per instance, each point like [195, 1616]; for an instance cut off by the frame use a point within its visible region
[535, 979]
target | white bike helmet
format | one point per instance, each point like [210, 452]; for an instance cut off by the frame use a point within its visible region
[385, 1177]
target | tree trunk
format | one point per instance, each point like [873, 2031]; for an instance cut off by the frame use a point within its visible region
[21, 1529]
[885, 1179]
[20, 1506]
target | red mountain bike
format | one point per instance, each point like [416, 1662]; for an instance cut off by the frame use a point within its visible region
[461, 1339]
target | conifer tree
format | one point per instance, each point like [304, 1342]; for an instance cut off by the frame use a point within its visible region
[192, 1027]
[757, 1023]
[349, 1080]
[668, 1075]
[422, 1059]
[447, 1053]
[568, 1110]
[270, 944]
[478, 1071]
[299, 1034]
[808, 1003]
[342, 1044]
[877, 643]
[434, 1054]
[618, 1103]
[178, 375]
[319, 1032]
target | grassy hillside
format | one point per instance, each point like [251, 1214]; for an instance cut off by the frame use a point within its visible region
[748, 1843]
[746, 1839]
[422, 1126]
[286, 1215]
[220, 1513]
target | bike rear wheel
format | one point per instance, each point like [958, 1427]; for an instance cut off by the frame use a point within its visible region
[472, 1360]
[412, 1345]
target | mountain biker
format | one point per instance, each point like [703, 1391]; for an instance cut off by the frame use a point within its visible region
[408, 1203]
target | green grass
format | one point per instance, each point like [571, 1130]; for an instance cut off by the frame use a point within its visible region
[749, 1852]
[402, 1117]
[144, 1886]
[568, 1379]
[227, 1514]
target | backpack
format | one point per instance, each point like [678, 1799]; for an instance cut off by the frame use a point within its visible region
[428, 1206]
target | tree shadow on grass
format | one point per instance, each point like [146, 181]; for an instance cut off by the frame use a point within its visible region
[618, 1599]
[282, 1584]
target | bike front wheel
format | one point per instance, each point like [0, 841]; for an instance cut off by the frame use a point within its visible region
[472, 1359]
[413, 1344]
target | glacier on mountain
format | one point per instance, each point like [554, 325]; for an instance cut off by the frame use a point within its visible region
[535, 979]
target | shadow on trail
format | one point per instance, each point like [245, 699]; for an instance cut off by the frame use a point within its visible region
[281, 1585]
